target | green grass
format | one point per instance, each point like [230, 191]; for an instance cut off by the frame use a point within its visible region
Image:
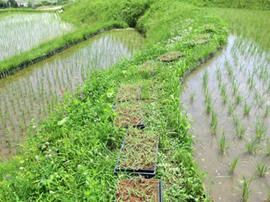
[71, 156]
[251, 24]
[251, 4]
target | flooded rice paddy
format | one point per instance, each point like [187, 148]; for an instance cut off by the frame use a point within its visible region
[34, 92]
[228, 101]
[22, 32]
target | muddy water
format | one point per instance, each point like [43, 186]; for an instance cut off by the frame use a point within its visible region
[32, 93]
[243, 70]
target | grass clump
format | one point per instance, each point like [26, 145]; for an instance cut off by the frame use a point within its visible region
[214, 122]
[260, 130]
[261, 169]
[222, 144]
[246, 189]
[233, 165]
[251, 146]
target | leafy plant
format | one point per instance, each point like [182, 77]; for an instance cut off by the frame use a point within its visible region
[251, 147]
[222, 143]
[233, 165]
[246, 189]
[261, 169]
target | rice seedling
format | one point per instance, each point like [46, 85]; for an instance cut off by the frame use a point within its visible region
[267, 111]
[247, 109]
[261, 169]
[235, 88]
[35, 93]
[192, 96]
[205, 80]
[224, 93]
[218, 74]
[222, 143]
[233, 165]
[230, 109]
[251, 82]
[236, 121]
[260, 130]
[238, 99]
[214, 122]
[208, 101]
[33, 28]
[246, 189]
[267, 149]
[251, 146]
[240, 131]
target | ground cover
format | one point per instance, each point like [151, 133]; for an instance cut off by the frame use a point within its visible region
[72, 155]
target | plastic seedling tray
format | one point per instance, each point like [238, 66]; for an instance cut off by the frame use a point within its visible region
[126, 99]
[170, 56]
[126, 191]
[144, 172]
[126, 123]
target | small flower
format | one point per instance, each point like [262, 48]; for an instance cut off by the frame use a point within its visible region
[20, 168]
[79, 165]
[48, 156]
[91, 161]
[81, 95]
[87, 92]
[52, 192]
[37, 157]
[7, 175]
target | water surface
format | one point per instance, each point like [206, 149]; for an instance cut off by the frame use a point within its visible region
[32, 93]
[242, 69]
[22, 32]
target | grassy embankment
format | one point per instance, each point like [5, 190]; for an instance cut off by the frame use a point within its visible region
[249, 24]
[72, 155]
[250, 4]
[47, 49]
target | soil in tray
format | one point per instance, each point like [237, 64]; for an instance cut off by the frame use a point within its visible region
[202, 39]
[139, 151]
[148, 67]
[128, 93]
[128, 115]
[170, 56]
[138, 190]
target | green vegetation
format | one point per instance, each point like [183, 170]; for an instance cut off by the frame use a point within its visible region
[33, 28]
[250, 24]
[233, 165]
[223, 144]
[246, 189]
[261, 169]
[254, 4]
[71, 156]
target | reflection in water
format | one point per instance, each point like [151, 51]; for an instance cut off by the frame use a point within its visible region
[238, 95]
[21, 32]
[35, 91]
